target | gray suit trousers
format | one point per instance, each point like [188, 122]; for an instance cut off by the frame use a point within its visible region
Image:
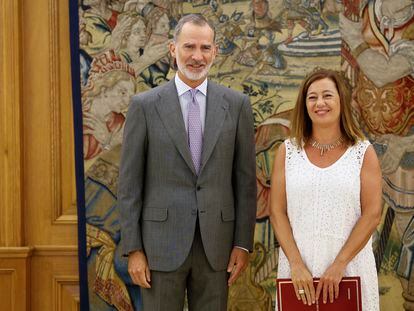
[206, 288]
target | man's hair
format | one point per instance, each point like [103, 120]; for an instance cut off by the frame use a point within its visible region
[195, 19]
[301, 124]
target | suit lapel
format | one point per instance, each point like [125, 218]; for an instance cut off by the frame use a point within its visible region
[215, 114]
[169, 110]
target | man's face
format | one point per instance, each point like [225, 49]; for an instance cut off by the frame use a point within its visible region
[194, 52]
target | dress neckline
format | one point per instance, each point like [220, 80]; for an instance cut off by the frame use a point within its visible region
[305, 155]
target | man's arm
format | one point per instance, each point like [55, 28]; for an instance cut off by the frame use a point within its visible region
[130, 193]
[244, 189]
[131, 177]
[244, 178]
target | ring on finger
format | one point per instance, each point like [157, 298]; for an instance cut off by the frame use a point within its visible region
[301, 291]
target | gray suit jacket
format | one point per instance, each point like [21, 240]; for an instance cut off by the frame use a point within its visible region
[159, 194]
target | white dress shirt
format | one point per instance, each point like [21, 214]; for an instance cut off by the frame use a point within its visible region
[185, 99]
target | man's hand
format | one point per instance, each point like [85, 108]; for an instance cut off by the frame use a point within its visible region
[138, 269]
[239, 259]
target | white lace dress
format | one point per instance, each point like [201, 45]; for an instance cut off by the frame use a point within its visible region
[323, 205]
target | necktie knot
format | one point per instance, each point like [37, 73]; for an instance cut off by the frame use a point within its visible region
[193, 93]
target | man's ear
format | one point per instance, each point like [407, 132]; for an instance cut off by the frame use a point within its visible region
[171, 47]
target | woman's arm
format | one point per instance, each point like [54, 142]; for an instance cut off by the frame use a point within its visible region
[301, 277]
[363, 229]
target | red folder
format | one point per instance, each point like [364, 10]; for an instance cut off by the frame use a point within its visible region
[349, 297]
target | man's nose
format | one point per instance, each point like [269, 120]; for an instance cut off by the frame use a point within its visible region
[197, 55]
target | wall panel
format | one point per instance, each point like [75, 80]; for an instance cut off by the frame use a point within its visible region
[15, 278]
[7, 288]
[54, 277]
[49, 163]
[49, 185]
[10, 125]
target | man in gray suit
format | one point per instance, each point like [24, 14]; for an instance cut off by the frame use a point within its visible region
[187, 187]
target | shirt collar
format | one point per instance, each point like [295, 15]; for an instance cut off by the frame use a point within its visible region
[182, 87]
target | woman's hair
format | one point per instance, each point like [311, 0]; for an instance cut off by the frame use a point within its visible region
[301, 124]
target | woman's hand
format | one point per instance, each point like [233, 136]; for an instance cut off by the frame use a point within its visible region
[303, 283]
[329, 282]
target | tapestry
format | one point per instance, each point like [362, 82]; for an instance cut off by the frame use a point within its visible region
[265, 50]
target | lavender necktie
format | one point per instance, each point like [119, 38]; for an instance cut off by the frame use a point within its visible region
[195, 134]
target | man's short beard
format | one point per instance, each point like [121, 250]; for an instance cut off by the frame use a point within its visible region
[193, 76]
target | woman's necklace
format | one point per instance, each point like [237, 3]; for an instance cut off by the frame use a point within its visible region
[326, 147]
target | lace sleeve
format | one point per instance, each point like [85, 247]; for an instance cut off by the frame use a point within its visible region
[361, 147]
[288, 145]
[292, 153]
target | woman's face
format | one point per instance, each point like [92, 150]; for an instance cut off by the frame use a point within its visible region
[323, 102]
[138, 37]
[162, 27]
[117, 97]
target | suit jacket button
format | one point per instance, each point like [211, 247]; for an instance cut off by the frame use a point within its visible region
[198, 188]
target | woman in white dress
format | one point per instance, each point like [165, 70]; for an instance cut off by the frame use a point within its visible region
[326, 195]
